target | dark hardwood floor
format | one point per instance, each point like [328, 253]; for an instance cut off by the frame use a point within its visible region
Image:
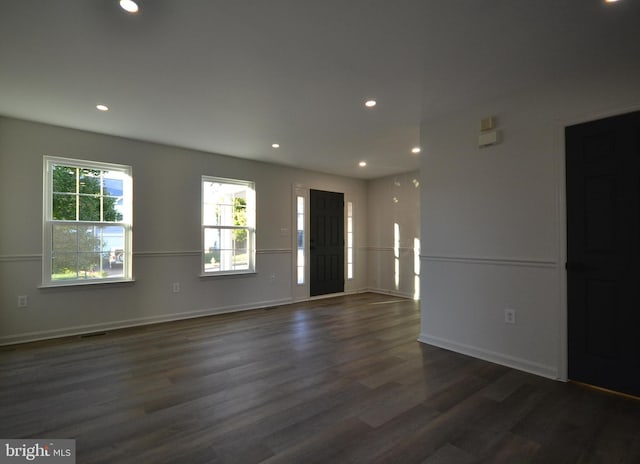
[335, 380]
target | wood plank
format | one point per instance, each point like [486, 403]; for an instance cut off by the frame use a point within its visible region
[335, 380]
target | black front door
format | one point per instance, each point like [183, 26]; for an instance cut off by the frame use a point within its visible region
[326, 242]
[603, 252]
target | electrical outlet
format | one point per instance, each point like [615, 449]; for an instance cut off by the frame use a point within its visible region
[510, 316]
[23, 301]
[175, 287]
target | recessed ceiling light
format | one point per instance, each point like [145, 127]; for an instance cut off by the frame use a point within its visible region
[129, 6]
[362, 164]
[415, 150]
[275, 145]
[101, 107]
[370, 103]
[610, 1]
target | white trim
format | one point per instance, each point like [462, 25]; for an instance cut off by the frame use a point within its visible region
[82, 283]
[88, 164]
[166, 254]
[185, 253]
[492, 356]
[15, 258]
[274, 251]
[334, 295]
[90, 328]
[387, 249]
[384, 291]
[137, 322]
[228, 274]
[144, 254]
[497, 261]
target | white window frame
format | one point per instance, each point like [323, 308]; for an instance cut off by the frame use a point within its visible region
[48, 222]
[300, 239]
[207, 223]
[349, 242]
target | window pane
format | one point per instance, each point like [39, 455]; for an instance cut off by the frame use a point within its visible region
[89, 239]
[226, 250]
[112, 238]
[113, 190]
[65, 238]
[89, 181]
[89, 266]
[64, 179]
[239, 212]
[300, 239]
[64, 207]
[211, 250]
[209, 217]
[112, 186]
[89, 208]
[87, 251]
[112, 209]
[64, 266]
[224, 214]
[240, 259]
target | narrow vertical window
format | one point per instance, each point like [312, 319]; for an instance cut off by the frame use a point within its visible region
[300, 244]
[228, 226]
[396, 254]
[349, 240]
[416, 268]
[87, 222]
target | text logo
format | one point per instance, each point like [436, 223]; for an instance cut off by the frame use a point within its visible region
[42, 450]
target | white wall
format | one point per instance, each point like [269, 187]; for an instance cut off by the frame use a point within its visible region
[393, 200]
[493, 222]
[166, 234]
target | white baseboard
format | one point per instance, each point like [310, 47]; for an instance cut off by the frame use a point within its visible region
[492, 356]
[384, 291]
[123, 324]
[114, 325]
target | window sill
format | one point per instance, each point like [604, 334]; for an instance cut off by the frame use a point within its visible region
[81, 283]
[228, 274]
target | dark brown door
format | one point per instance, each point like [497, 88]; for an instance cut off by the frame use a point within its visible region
[603, 252]
[326, 242]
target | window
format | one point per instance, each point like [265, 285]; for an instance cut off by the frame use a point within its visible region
[87, 222]
[300, 240]
[349, 240]
[228, 226]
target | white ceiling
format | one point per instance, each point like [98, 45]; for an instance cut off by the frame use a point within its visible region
[234, 76]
